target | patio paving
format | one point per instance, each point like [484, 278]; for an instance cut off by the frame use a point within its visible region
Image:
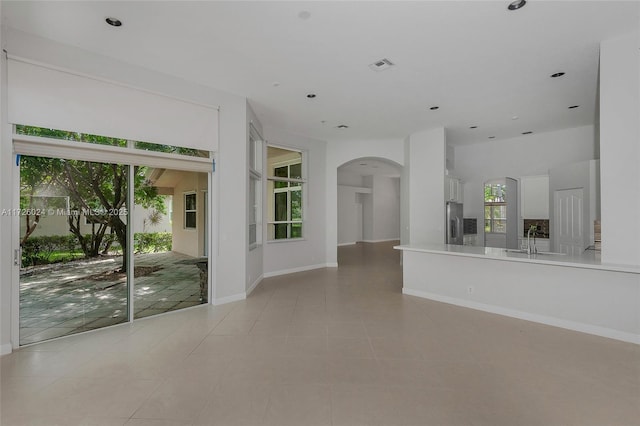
[62, 299]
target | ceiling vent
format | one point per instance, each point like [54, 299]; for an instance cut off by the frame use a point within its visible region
[381, 65]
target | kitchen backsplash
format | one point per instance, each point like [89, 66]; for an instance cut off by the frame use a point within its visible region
[541, 224]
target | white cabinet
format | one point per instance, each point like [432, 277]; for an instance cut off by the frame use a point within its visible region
[453, 189]
[534, 195]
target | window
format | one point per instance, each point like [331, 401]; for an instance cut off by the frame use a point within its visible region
[255, 188]
[495, 208]
[190, 210]
[285, 188]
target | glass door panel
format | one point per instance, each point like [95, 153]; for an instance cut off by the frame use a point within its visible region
[73, 237]
[170, 259]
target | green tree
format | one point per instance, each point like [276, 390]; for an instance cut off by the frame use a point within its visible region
[99, 190]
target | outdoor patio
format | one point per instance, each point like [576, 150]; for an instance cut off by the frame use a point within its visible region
[62, 299]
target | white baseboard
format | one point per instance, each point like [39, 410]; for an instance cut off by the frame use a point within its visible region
[347, 244]
[332, 265]
[254, 285]
[381, 241]
[229, 299]
[6, 349]
[542, 319]
[294, 270]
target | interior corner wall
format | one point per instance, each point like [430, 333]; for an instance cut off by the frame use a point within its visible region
[339, 153]
[283, 257]
[620, 148]
[427, 152]
[254, 255]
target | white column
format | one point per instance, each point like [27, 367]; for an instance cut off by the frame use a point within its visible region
[425, 155]
[620, 149]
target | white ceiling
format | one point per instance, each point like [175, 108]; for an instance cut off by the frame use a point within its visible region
[371, 166]
[480, 63]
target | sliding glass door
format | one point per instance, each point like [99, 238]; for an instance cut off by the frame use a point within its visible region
[74, 219]
[102, 243]
[171, 265]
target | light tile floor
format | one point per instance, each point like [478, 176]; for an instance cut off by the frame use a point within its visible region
[327, 347]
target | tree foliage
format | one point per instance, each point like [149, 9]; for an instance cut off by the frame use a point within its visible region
[98, 190]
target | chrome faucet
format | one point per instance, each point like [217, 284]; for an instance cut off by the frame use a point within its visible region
[532, 230]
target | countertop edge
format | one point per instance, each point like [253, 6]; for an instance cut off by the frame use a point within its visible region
[517, 257]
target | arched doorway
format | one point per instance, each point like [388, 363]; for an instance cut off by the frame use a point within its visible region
[368, 205]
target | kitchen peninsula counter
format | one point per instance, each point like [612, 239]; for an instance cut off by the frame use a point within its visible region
[589, 259]
[574, 292]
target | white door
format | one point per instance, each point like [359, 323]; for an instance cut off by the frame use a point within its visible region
[569, 219]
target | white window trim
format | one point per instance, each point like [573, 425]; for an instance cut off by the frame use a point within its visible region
[185, 211]
[302, 182]
[256, 166]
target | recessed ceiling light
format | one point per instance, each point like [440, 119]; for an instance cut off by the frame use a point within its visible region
[275, 84]
[492, 137]
[381, 65]
[363, 164]
[473, 127]
[515, 117]
[433, 108]
[323, 121]
[311, 95]
[114, 22]
[515, 5]
[556, 75]
[526, 133]
[305, 14]
[574, 106]
[342, 126]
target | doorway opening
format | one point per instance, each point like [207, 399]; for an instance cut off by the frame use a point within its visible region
[368, 204]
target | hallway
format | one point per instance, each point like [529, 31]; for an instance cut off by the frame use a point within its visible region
[325, 347]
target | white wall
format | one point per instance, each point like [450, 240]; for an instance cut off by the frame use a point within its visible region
[620, 149]
[386, 208]
[6, 159]
[349, 179]
[600, 302]
[379, 198]
[339, 153]
[229, 264]
[310, 252]
[189, 241]
[350, 212]
[520, 156]
[425, 163]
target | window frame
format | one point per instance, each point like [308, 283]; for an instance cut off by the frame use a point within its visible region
[254, 206]
[498, 199]
[185, 210]
[293, 185]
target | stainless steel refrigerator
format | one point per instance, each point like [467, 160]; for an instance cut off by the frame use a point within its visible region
[455, 230]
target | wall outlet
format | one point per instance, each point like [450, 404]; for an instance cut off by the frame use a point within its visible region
[470, 289]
